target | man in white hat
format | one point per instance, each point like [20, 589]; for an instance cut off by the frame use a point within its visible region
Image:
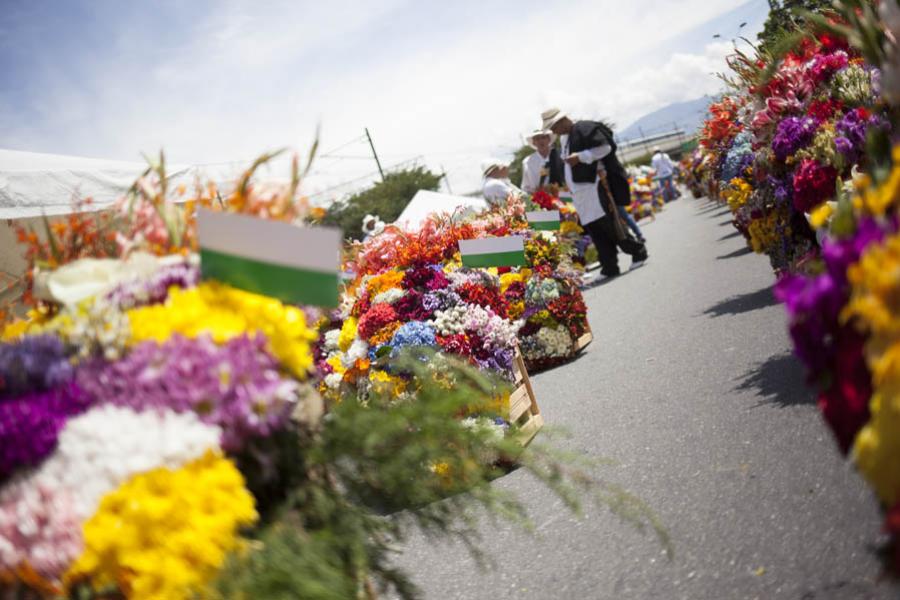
[589, 152]
[496, 186]
[544, 166]
[665, 170]
[372, 226]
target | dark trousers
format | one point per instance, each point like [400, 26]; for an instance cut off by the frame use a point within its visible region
[603, 234]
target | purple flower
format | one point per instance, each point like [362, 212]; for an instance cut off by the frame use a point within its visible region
[814, 303]
[30, 424]
[34, 363]
[155, 289]
[792, 134]
[236, 386]
[440, 300]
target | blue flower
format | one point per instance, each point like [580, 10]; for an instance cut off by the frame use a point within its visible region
[414, 333]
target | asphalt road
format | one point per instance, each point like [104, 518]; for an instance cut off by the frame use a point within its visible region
[691, 388]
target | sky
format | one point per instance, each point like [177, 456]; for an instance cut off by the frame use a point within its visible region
[442, 84]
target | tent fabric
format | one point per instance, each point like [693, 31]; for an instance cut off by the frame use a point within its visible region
[426, 203]
[34, 184]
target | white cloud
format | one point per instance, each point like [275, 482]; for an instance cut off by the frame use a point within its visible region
[255, 76]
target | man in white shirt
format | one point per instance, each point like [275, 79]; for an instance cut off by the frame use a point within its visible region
[496, 186]
[665, 170]
[536, 167]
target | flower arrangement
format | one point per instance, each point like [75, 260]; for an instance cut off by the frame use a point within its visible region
[416, 276]
[783, 143]
[843, 326]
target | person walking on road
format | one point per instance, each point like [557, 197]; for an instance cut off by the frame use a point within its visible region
[665, 173]
[593, 172]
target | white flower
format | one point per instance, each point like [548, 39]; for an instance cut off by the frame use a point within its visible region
[88, 277]
[358, 350]
[99, 450]
[331, 339]
[388, 296]
[548, 342]
[450, 321]
[333, 380]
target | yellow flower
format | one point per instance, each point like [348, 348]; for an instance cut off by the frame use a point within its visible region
[384, 282]
[875, 307]
[348, 334]
[766, 232]
[876, 201]
[336, 364]
[507, 279]
[820, 215]
[165, 533]
[386, 383]
[224, 312]
[567, 227]
[14, 330]
[737, 193]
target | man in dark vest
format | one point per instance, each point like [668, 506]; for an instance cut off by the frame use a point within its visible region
[592, 168]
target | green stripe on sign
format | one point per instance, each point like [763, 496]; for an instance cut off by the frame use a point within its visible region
[495, 259]
[545, 225]
[289, 284]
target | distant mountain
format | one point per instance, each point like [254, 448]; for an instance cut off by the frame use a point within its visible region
[686, 115]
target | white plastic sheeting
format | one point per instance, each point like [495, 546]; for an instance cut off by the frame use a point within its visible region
[32, 184]
[426, 203]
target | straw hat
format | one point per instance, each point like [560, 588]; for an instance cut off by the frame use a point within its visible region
[551, 117]
[529, 139]
[489, 164]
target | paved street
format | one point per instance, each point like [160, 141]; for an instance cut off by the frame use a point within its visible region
[691, 388]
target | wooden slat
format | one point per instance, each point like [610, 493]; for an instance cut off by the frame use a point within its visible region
[527, 432]
[519, 403]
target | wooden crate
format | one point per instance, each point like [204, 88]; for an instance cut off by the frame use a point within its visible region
[523, 408]
[586, 338]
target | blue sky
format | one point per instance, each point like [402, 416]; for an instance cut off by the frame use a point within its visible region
[452, 82]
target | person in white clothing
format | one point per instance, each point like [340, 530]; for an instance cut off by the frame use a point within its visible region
[496, 186]
[665, 171]
[536, 167]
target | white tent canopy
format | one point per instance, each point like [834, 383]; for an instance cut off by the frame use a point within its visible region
[32, 184]
[426, 203]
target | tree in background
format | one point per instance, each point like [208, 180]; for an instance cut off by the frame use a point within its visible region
[386, 199]
[784, 18]
[515, 168]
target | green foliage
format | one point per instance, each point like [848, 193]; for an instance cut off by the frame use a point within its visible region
[515, 168]
[378, 471]
[386, 199]
[785, 18]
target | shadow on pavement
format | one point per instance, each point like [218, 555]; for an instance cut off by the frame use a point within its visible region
[739, 252]
[723, 223]
[778, 380]
[731, 235]
[743, 303]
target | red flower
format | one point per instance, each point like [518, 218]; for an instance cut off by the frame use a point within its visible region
[544, 200]
[845, 405]
[483, 296]
[409, 307]
[376, 318]
[813, 184]
[458, 344]
[823, 110]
